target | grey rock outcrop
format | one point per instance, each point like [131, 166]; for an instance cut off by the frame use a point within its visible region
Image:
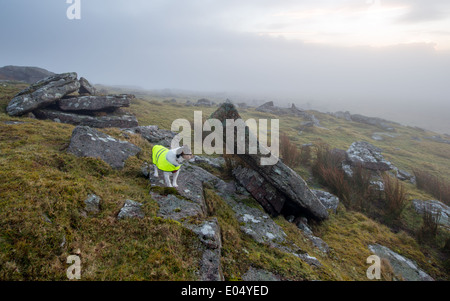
[368, 155]
[95, 103]
[153, 134]
[131, 209]
[119, 121]
[203, 102]
[88, 142]
[43, 93]
[49, 99]
[401, 266]
[86, 87]
[436, 208]
[438, 139]
[294, 196]
[374, 121]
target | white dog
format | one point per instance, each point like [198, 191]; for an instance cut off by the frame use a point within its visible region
[169, 161]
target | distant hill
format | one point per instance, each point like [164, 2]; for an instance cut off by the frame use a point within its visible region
[26, 74]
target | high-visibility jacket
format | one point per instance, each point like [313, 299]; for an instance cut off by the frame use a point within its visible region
[159, 153]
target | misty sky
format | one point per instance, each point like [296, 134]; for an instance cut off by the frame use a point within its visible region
[386, 58]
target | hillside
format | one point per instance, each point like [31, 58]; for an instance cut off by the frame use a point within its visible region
[44, 218]
[26, 74]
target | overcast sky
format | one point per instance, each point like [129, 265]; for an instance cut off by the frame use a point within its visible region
[389, 58]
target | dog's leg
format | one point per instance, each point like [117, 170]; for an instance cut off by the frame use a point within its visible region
[156, 171]
[175, 177]
[167, 179]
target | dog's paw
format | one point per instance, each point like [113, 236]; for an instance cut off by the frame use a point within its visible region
[155, 175]
[175, 185]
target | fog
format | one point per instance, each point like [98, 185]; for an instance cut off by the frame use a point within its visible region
[389, 59]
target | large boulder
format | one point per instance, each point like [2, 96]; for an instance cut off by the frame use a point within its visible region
[401, 266]
[95, 103]
[295, 198]
[88, 142]
[43, 93]
[119, 121]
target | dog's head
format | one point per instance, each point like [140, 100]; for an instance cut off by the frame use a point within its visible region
[183, 153]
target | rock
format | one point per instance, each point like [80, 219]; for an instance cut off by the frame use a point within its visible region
[435, 207]
[267, 107]
[403, 175]
[146, 169]
[210, 266]
[368, 156]
[94, 103]
[88, 142]
[401, 266]
[329, 200]
[259, 275]
[13, 122]
[204, 102]
[176, 208]
[43, 93]
[374, 121]
[343, 115]
[377, 137]
[29, 75]
[208, 232]
[302, 224]
[438, 139]
[86, 87]
[284, 189]
[119, 121]
[258, 225]
[92, 204]
[312, 261]
[131, 209]
[270, 198]
[153, 134]
[213, 162]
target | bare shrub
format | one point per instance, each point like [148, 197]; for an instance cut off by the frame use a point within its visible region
[289, 152]
[395, 198]
[433, 185]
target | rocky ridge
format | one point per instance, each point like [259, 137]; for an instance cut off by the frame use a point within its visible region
[52, 98]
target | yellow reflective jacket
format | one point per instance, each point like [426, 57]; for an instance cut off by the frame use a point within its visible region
[159, 153]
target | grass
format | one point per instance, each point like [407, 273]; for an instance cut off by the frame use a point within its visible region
[43, 188]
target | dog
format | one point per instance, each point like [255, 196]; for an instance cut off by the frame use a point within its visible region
[169, 161]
